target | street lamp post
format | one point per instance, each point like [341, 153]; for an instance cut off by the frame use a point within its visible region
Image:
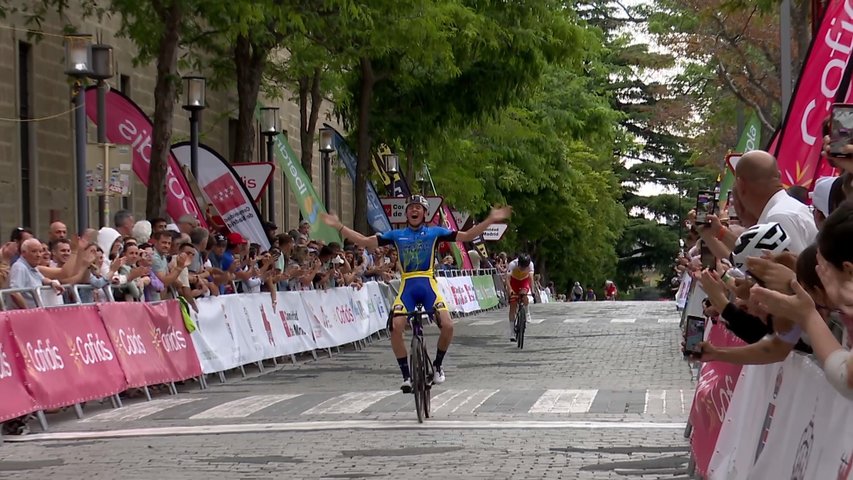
[194, 103]
[392, 166]
[422, 179]
[270, 127]
[77, 65]
[102, 70]
[326, 149]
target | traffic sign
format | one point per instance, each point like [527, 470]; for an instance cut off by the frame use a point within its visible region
[495, 232]
[395, 208]
[255, 176]
[460, 218]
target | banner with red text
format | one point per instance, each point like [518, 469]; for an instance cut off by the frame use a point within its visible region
[333, 321]
[785, 421]
[127, 124]
[16, 401]
[67, 355]
[139, 350]
[800, 139]
[717, 381]
[170, 331]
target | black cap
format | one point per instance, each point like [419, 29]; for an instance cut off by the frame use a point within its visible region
[220, 238]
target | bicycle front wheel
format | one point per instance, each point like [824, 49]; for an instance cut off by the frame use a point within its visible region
[521, 321]
[416, 363]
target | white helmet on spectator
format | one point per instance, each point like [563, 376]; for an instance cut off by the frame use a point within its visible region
[756, 239]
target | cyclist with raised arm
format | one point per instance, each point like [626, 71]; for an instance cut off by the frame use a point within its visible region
[519, 279]
[416, 245]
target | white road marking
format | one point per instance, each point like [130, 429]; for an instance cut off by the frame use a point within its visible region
[655, 402]
[352, 402]
[576, 320]
[474, 401]
[346, 425]
[486, 322]
[445, 397]
[536, 321]
[669, 320]
[140, 410]
[623, 320]
[243, 407]
[564, 401]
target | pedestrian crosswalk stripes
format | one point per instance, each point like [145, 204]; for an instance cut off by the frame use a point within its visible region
[445, 402]
[140, 410]
[243, 407]
[564, 401]
[486, 322]
[352, 402]
[536, 321]
[623, 320]
[576, 320]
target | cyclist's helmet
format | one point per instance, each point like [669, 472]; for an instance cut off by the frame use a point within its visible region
[523, 261]
[756, 239]
[418, 200]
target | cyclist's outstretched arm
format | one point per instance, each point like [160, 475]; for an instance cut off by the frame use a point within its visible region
[497, 215]
[348, 233]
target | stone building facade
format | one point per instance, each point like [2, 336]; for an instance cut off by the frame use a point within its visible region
[37, 128]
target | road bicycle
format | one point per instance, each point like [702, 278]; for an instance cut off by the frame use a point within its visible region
[520, 324]
[422, 369]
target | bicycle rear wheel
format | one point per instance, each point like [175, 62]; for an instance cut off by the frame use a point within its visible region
[521, 322]
[416, 363]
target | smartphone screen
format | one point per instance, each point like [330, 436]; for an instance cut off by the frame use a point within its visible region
[841, 130]
[694, 334]
[705, 205]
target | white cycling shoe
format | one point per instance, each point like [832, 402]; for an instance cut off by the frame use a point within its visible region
[438, 376]
[406, 386]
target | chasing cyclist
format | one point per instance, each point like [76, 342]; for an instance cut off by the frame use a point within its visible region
[416, 245]
[519, 279]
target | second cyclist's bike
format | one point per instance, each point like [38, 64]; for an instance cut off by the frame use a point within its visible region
[520, 324]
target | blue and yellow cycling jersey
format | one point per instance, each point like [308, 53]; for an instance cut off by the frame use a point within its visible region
[416, 247]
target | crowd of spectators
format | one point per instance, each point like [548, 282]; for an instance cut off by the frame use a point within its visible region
[798, 296]
[150, 260]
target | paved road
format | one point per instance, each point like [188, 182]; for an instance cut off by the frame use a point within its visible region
[598, 392]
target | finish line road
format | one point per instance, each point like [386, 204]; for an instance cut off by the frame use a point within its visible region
[599, 391]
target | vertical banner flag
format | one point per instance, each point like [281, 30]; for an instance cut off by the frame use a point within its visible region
[222, 188]
[750, 138]
[395, 184]
[800, 140]
[375, 212]
[309, 203]
[127, 124]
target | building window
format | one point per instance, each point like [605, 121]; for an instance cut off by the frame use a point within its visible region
[25, 112]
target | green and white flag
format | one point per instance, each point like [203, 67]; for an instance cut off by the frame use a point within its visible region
[749, 140]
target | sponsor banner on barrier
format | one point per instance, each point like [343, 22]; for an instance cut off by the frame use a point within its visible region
[172, 335]
[16, 400]
[785, 421]
[463, 289]
[447, 293]
[67, 355]
[484, 289]
[250, 339]
[140, 351]
[215, 336]
[717, 381]
[333, 321]
[379, 306]
[291, 328]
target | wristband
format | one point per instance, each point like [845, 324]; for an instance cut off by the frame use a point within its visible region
[722, 233]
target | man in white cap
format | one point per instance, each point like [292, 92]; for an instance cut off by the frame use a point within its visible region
[827, 193]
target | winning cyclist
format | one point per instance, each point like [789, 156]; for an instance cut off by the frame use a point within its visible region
[416, 246]
[519, 278]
